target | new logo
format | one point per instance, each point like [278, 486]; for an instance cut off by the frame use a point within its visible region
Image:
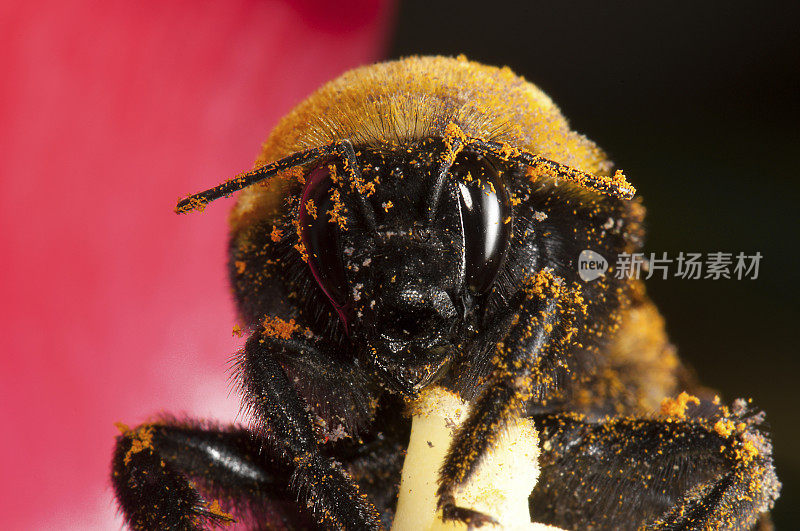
[591, 265]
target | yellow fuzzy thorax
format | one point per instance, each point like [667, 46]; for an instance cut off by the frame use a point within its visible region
[400, 102]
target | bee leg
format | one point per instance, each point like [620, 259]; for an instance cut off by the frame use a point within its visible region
[173, 475]
[320, 482]
[662, 473]
[511, 383]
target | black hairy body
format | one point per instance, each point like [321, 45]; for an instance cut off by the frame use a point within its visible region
[418, 243]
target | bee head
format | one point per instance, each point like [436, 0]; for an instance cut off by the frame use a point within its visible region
[406, 240]
[404, 245]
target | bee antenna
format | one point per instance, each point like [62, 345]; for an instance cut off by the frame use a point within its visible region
[344, 148]
[199, 200]
[615, 185]
[453, 145]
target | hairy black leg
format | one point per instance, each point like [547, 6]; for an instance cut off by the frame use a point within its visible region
[173, 475]
[515, 378]
[319, 481]
[664, 473]
[375, 458]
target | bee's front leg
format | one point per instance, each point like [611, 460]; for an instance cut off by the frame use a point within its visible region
[532, 343]
[320, 482]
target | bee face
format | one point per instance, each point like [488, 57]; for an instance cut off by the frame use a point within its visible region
[404, 256]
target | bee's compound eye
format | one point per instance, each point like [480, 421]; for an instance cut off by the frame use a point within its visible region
[319, 233]
[485, 217]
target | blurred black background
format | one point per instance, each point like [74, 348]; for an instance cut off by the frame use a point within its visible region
[699, 103]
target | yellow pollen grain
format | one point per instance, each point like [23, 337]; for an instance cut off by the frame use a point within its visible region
[277, 327]
[724, 427]
[311, 208]
[215, 509]
[676, 407]
[142, 440]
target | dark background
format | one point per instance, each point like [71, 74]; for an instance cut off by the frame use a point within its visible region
[699, 103]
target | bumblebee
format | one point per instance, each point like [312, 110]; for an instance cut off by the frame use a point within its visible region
[418, 223]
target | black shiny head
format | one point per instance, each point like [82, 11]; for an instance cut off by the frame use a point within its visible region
[405, 284]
